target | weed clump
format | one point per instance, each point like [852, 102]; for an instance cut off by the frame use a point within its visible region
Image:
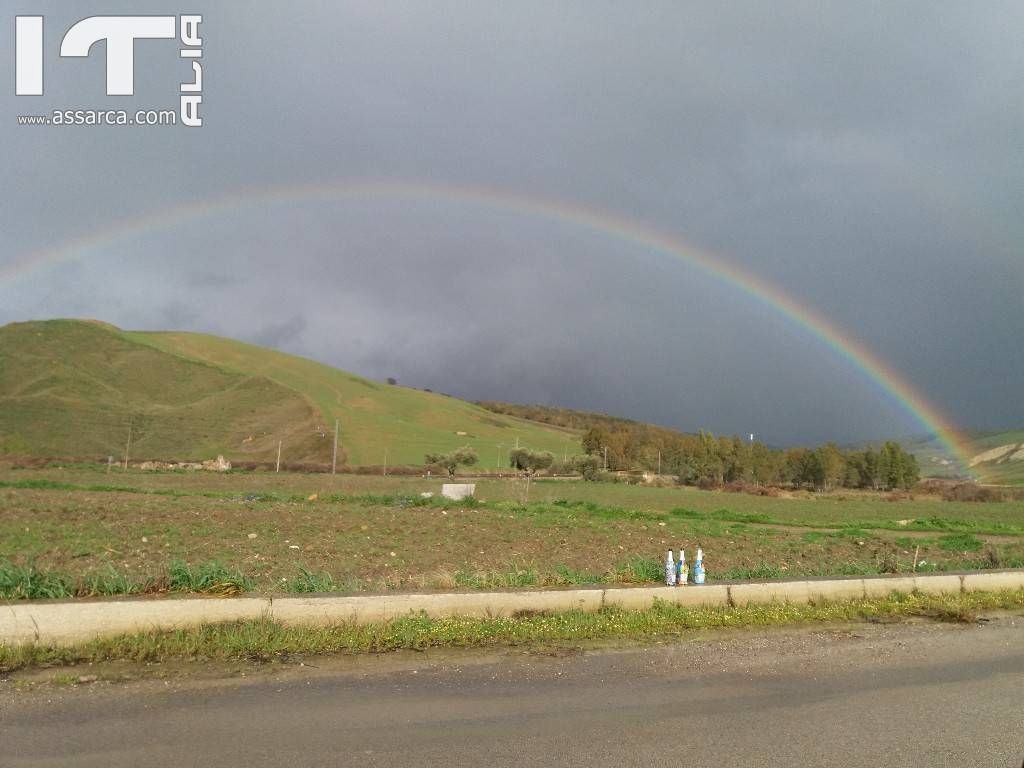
[960, 542]
[26, 582]
[308, 581]
[211, 578]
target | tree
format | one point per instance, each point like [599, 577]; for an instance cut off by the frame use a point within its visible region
[587, 465]
[451, 461]
[392, 380]
[594, 440]
[529, 463]
[833, 465]
[899, 469]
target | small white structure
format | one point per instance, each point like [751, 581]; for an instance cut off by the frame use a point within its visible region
[458, 491]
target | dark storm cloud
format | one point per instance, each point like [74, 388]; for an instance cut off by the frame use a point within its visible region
[281, 335]
[865, 158]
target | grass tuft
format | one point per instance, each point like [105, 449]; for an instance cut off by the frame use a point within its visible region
[210, 578]
[110, 582]
[26, 582]
[308, 581]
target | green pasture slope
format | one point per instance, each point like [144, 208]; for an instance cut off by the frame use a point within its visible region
[72, 388]
[933, 456]
[75, 389]
[1000, 471]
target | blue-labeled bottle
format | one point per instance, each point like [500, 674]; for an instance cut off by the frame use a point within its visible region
[670, 570]
[682, 571]
[698, 567]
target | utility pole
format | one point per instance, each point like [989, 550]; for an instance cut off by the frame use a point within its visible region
[659, 463]
[128, 447]
[334, 457]
[753, 474]
[385, 462]
[606, 458]
[278, 468]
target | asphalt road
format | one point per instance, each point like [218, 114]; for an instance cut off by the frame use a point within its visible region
[892, 695]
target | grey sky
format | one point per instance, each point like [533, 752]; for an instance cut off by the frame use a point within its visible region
[866, 158]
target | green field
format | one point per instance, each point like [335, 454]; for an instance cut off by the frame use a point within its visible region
[99, 532]
[76, 389]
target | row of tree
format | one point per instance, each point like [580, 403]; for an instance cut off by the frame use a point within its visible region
[708, 460]
[705, 459]
[524, 460]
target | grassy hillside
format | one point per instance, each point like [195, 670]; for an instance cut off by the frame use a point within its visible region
[374, 416]
[936, 461]
[75, 388]
[70, 388]
[1000, 457]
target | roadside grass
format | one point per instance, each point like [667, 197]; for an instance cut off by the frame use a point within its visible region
[211, 578]
[214, 578]
[265, 640]
[109, 582]
[26, 582]
[308, 581]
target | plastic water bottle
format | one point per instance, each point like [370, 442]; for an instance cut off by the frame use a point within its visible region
[682, 572]
[670, 570]
[698, 567]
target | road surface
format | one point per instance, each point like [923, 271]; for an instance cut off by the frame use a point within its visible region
[867, 695]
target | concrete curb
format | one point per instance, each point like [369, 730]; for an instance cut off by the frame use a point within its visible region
[64, 622]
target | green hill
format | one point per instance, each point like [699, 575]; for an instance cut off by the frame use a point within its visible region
[998, 457]
[75, 388]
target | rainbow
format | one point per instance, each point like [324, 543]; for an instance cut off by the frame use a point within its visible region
[599, 221]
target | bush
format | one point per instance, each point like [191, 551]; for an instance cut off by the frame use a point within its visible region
[588, 466]
[972, 492]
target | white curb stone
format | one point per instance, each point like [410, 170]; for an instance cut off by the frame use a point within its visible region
[639, 598]
[886, 585]
[977, 582]
[63, 622]
[938, 585]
